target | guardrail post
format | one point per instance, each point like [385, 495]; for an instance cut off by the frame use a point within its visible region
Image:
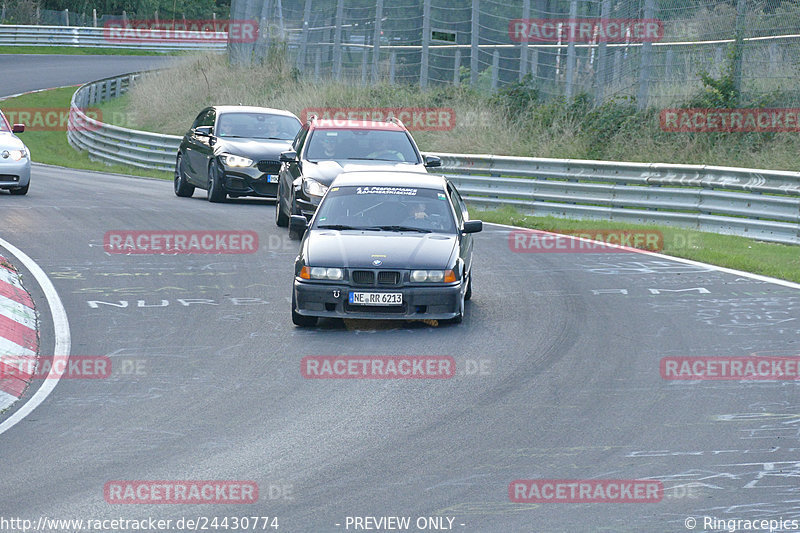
[376, 40]
[91, 95]
[94, 18]
[66, 17]
[426, 41]
[523, 46]
[457, 69]
[118, 88]
[495, 68]
[391, 68]
[474, 38]
[337, 41]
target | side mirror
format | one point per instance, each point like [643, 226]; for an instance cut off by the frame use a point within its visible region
[298, 224]
[433, 161]
[287, 157]
[472, 226]
[17, 128]
[203, 131]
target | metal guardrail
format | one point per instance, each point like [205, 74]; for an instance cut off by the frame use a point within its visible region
[762, 204]
[74, 36]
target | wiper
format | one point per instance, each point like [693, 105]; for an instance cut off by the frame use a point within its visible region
[338, 227]
[400, 228]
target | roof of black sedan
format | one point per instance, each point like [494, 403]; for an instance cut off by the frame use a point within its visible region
[389, 178]
[252, 109]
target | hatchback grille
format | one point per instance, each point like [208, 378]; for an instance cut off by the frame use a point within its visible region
[269, 166]
[363, 277]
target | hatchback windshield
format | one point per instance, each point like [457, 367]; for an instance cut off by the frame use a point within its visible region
[374, 145]
[257, 126]
[386, 209]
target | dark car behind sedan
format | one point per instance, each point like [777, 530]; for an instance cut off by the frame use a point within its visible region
[388, 245]
[234, 151]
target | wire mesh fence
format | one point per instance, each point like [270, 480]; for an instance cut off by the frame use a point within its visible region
[477, 42]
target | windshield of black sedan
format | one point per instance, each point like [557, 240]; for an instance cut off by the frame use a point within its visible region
[361, 144]
[391, 209]
[257, 126]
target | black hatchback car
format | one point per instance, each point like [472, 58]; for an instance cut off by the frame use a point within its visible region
[234, 151]
[387, 245]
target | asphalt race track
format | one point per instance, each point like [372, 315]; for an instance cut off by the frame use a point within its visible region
[557, 378]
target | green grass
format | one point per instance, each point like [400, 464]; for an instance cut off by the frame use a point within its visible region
[740, 253]
[51, 147]
[82, 51]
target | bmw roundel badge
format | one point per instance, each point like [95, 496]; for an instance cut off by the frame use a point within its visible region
[377, 262]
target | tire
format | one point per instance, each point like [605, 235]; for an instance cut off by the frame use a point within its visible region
[215, 191]
[182, 187]
[300, 320]
[468, 294]
[281, 218]
[20, 191]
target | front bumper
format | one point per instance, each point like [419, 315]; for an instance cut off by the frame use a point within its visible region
[15, 174]
[307, 204]
[440, 302]
[249, 181]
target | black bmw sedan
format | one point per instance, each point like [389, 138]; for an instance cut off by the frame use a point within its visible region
[387, 245]
[234, 151]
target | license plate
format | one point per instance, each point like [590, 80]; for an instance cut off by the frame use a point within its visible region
[272, 178]
[376, 298]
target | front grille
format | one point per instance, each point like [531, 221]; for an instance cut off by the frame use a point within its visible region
[269, 166]
[388, 277]
[363, 277]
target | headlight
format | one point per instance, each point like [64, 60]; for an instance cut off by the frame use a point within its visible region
[16, 155]
[230, 160]
[313, 187]
[332, 274]
[433, 276]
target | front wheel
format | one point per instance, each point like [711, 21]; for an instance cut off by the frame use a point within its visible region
[281, 218]
[301, 320]
[468, 294]
[182, 187]
[215, 191]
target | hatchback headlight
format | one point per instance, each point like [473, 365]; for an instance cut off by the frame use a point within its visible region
[314, 188]
[230, 160]
[433, 276]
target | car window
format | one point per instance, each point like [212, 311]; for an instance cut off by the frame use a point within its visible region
[456, 206]
[300, 139]
[372, 207]
[361, 144]
[458, 202]
[257, 126]
[199, 120]
[208, 118]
